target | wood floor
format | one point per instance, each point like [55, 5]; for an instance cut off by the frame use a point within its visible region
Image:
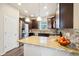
[15, 52]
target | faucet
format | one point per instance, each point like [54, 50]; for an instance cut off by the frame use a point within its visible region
[57, 32]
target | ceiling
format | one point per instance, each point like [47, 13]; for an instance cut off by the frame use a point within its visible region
[36, 9]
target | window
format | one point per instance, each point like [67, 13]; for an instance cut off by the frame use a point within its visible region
[43, 25]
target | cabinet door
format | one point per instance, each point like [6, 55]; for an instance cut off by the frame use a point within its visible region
[66, 15]
[10, 32]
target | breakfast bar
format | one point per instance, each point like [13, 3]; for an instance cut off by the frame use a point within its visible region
[46, 46]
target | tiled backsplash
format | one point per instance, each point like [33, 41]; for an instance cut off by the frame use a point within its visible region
[74, 34]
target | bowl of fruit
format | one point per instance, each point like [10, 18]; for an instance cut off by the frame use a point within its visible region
[63, 41]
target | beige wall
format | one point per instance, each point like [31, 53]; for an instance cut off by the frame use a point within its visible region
[76, 16]
[10, 10]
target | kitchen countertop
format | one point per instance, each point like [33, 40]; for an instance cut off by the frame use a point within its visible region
[47, 42]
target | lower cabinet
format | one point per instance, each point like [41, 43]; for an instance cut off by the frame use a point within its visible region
[34, 50]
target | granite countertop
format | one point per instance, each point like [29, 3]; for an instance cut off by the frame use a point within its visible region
[47, 42]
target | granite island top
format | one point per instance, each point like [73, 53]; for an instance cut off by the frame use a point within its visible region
[47, 42]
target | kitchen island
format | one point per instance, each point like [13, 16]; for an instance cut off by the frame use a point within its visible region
[46, 46]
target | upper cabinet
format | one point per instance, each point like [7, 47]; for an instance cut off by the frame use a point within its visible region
[33, 24]
[66, 15]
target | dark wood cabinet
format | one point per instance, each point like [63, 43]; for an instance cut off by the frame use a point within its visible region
[66, 15]
[33, 24]
[51, 22]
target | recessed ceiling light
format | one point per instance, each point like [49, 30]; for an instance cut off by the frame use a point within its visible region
[32, 15]
[45, 7]
[19, 4]
[26, 11]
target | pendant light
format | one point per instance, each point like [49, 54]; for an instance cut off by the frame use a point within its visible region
[27, 19]
[39, 18]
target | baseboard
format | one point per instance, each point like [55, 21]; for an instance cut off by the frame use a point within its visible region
[2, 53]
